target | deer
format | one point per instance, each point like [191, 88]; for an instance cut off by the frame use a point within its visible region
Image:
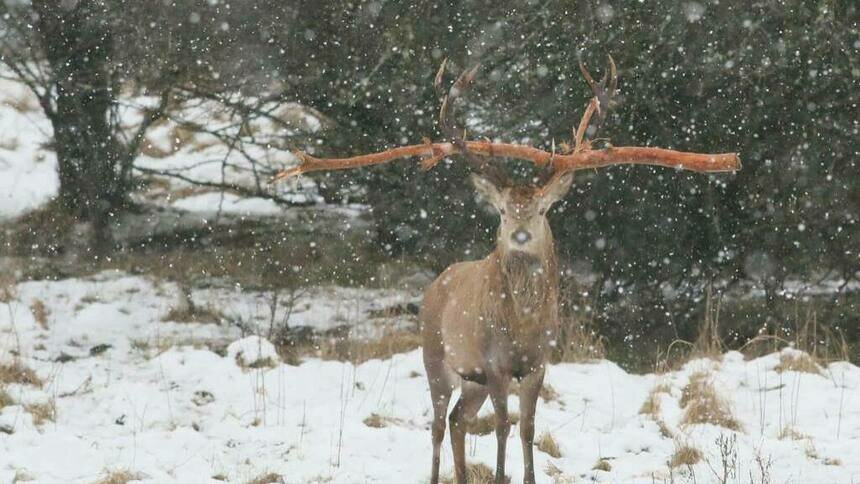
[487, 322]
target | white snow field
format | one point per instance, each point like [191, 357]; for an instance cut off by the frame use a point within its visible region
[126, 390]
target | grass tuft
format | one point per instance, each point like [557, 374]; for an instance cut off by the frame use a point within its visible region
[557, 475]
[356, 351]
[267, 478]
[121, 476]
[602, 464]
[15, 372]
[702, 405]
[5, 399]
[548, 393]
[40, 313]
[651, 408]
[685, 455]
[487, 424]
[546, 443]
[797, 361]
[377, 421]
[42, 412]
[477, 474]
[791, 434]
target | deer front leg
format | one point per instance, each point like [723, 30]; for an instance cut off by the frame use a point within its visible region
[440, 392]
[499, 397]
[529, 390]
[472, 397]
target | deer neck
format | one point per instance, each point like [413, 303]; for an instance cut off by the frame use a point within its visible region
[529, 281]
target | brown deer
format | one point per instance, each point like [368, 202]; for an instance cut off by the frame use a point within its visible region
[486, 322]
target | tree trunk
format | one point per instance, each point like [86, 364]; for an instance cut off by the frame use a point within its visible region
[77, 40]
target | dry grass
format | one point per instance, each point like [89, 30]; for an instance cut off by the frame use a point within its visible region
[5, 398]
[15, 372]
[42, 412]
[602, 465]
[651, 408]
[476, 474]
[796, 361]
[557, 475]
[267, 478]
[791, 434]
[684, 455]
[487, 424]
[546, 443]
[40, 313]
[651, 405]
[391, 342]
[578, 340]
[702, 405]
[188, 312]
[119, 476]
[548, 393]
[708, 343]
[377, 421]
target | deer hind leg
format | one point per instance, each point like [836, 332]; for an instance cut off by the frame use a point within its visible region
[440, 393]
[472, 397]
[499, 396]
[529, 390]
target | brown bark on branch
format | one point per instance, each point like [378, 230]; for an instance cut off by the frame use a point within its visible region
[433, 152]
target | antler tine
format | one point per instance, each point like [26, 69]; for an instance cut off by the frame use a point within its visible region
[455, 134]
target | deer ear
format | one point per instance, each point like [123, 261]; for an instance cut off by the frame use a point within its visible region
[556, 189]
[486, 189]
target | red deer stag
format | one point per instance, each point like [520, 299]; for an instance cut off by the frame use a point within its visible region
[486, 322]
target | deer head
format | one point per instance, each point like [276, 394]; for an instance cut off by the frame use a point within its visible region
[522, 209]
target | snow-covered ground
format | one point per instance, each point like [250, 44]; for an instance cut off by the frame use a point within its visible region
[129, 391]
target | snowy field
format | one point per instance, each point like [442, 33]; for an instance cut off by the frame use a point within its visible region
[120, 387]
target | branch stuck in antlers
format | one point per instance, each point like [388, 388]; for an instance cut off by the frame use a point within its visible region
[478, 153]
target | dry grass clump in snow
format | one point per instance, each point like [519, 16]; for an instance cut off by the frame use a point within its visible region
[685, 455]
[15, 372]
[377, 421]
[267, 478]
[702, 405]
[556, 474]
[5, 398]
[40, 313]
[548, 393]
[651, 405]
[120, 476]
[487, 424]
[391, 342]
[476, 474]
[602, 464]
[42, 412]
[651, 408]
[546, 443]
[797, 361]
[792, 434]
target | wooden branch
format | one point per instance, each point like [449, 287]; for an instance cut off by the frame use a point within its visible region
[432, 152]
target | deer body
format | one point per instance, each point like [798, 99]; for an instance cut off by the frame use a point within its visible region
[486, 322]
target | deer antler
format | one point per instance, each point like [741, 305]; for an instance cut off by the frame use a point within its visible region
[600, 103]
[455, 134]
[582, 156]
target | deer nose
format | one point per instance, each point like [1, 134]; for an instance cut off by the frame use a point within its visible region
[521, 236]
